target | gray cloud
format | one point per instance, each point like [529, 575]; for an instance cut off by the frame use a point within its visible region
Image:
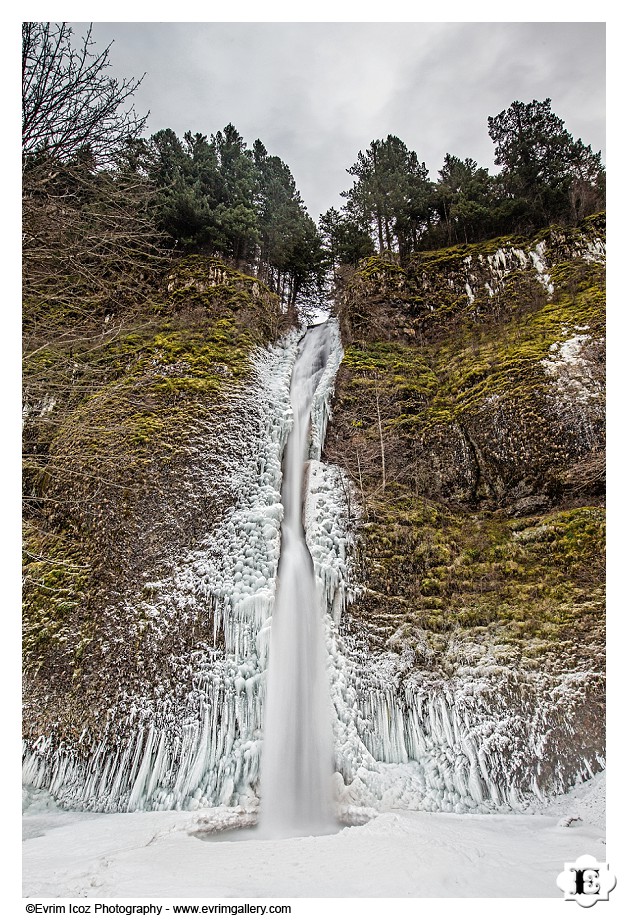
[317, 93]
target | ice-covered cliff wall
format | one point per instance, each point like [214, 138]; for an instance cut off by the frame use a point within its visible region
[487, 736]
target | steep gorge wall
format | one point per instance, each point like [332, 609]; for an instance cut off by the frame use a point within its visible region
[137, 456]
[191, 735]
[462, 586]
[469, 419]
[487, 362]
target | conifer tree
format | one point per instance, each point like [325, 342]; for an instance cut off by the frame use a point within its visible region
[541, 163]
[390, 194]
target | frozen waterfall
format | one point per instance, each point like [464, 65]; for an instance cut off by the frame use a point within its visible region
[297, 757]
[197, 739]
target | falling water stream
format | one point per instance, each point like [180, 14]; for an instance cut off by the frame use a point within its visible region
[296, 769]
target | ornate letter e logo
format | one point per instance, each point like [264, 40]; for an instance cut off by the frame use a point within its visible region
[586, 881]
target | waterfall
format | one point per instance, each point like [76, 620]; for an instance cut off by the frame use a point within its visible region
[477, 742]
[296, 771]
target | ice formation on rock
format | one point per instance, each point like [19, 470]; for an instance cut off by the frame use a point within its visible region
[203, 747]
[470, 745]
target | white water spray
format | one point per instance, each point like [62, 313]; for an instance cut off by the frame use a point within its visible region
[296, 774]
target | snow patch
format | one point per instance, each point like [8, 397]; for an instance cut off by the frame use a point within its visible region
[406, 854]
[575, 388]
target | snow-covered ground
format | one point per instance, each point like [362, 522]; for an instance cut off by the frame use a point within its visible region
[398, 854]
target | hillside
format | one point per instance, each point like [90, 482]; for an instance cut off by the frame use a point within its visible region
[132, 431]
[469, 415]
[454, 517]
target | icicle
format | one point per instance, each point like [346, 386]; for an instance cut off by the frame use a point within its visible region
[421, 747]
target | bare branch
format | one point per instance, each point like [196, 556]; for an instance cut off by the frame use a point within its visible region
[69, 102]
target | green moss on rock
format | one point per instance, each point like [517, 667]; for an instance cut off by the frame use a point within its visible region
[125, 413]
[56, 582]
[437, 571]
[477, 450]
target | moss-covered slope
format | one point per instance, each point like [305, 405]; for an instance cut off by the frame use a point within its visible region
[129, 431]
[469, 413]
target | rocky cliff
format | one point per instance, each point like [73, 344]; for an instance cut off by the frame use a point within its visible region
[469, 416]
[134, 428]
[454, 518]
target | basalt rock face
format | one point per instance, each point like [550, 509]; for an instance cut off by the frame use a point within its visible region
[469, 416]
[486, 364]
[135, 426]
[453, 513]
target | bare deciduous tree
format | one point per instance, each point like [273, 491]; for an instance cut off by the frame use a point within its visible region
[91, 250]
[88, 238]
[70, 104]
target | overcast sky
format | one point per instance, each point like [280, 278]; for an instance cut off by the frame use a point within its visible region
[317, 93]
